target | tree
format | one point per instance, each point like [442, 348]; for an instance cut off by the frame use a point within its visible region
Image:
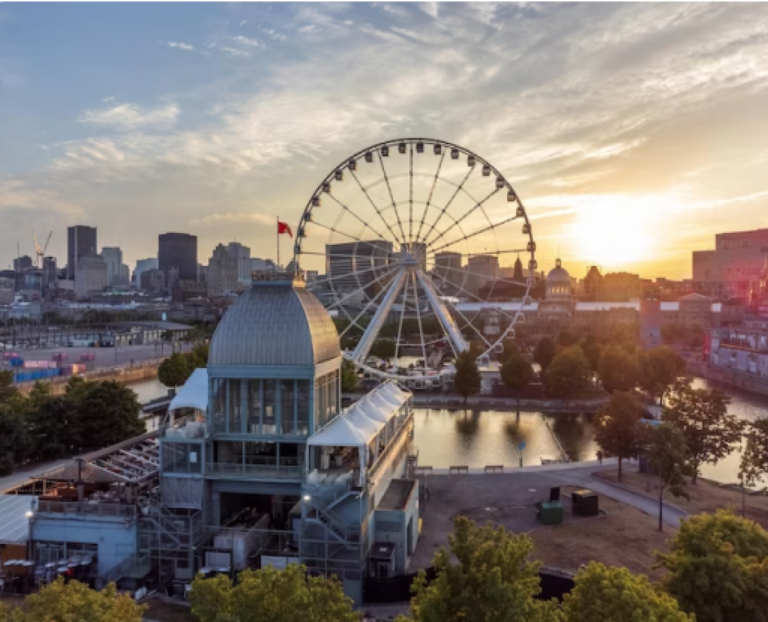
[383, 348]
[75, 602]
[660, 369]
[544, 353]
[618, 370]
[616, 426]
[175, 370]
[702, 416]
[467, 379]
[516, 373]
[348, 376]
[666, 452]
[592, 350]
[568, 375]
[718, 568]
[491, 581]
[13, 425]
[276, 595]
[53, 426]
[605, 594]
[107, 413]
[754, 460]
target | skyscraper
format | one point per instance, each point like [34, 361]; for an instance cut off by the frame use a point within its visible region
[222, 270]
[142, 265]
[113, 259]
[178, 250]
[81, 240]
[242, 256]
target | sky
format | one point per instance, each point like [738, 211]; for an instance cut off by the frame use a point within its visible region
[633, 133]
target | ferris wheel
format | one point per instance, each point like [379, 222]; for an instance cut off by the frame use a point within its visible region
[415, 238]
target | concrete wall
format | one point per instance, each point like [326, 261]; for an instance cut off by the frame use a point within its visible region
[115, 538]
[384, 529]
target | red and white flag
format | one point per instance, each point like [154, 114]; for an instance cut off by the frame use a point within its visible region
[282, 227]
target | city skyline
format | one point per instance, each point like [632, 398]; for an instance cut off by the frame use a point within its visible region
[632, 133]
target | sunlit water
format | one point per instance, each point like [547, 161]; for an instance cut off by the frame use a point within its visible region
[447, 438]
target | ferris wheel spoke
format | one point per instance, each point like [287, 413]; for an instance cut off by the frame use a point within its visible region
[373, 204]
[476, 233]
[443, 316]
[374, 327]
[400, 326]
[345, 275]
[410, 197]
[431, 192]
[418, 316]
[364, 311]
[479, 204]
[352, 213]
[466, 319]
[484, 276]
[357, 291]
[448, 204]
[485, 302]
[391, 196]
[353, 237]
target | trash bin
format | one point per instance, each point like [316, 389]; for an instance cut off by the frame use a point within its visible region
[551, 512]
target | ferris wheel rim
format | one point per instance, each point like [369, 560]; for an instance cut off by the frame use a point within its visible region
[431, 246]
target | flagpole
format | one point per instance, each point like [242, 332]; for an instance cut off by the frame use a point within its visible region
[278, 243]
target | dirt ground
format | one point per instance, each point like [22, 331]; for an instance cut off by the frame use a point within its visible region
[706, 496]
[167, 612]
[625, 537]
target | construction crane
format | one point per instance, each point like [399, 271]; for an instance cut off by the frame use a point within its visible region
[40, 252]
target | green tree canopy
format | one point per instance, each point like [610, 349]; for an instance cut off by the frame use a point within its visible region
[106, 413]
[383, 348]
[271, 595]
[664, 446]
[467, 380]
[754, 460]
[491, 579]
[718, 568]
[517, 373]
[618, 370]
[544, 353]
[592, 350]
[348, 376]
[568, 375]
[605, 594]
[13, 424]
[175, 370]
[702, 416]
[660, 369]
[76, 602]
[617, 429]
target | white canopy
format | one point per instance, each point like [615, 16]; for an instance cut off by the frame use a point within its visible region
[361, 422]
[194, 393]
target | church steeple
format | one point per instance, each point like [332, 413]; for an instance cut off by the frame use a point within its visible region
[518, 275]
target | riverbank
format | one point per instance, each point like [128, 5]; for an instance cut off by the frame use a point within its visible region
[734, 378]
[487, 402]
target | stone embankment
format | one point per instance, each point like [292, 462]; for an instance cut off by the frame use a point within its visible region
[732, 377]
[127, 373]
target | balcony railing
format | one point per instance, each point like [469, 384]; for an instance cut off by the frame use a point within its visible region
[84, 507]
[288, 470]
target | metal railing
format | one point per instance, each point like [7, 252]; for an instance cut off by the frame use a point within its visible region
[91, 509]
[272, 470]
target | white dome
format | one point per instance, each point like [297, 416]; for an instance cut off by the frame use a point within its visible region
[558, 274]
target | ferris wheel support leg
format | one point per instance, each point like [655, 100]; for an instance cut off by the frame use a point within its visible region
[446, 319]
[377, 322]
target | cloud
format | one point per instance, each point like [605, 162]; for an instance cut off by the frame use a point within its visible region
[132, 116]
[234, 51]
[245, 41]
[187, 47]
[243, 22]
[233, 218]
[308, 28]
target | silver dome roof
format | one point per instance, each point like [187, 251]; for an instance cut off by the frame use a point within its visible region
[558, 274]
[275, 323]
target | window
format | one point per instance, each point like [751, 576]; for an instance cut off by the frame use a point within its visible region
[302, 407]
[287, 406]
[219, 406]
[269, 420]
[253, 406]
[235, 407]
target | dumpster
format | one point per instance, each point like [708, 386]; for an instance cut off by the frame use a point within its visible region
[551, 512]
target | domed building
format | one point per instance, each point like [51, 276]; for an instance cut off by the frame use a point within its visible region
[273, 467]
[558, 283]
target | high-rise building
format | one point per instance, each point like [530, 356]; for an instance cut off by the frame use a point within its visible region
[242, 257]
[22, 263]
[481, 269]
[50, 273]
[178, 250]
[113, 259]
[450, 268]
[142, 265]
[222, 271]
[356, 265]
[81, 240]
[735, 264]
[152, 280]
[90, 276]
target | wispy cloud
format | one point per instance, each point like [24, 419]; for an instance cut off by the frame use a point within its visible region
[234, 51]
[131, 116]
[233, 218]
[245, 41]
[179, 45]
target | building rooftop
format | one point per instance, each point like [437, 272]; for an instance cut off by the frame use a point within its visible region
[275, 323]
[397, 494]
